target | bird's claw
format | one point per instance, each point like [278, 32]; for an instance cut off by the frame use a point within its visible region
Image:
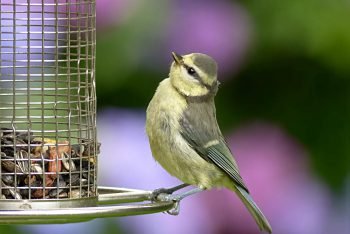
[175, 210]
[155, 193]
[170, 198]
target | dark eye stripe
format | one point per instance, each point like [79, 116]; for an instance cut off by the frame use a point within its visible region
[196, 76]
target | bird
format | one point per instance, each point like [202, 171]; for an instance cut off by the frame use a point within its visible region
[184, 135]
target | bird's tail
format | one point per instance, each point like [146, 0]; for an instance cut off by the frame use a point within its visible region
[254, 210]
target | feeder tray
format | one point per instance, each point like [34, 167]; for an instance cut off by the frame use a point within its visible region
[48, 134]
[110, 203]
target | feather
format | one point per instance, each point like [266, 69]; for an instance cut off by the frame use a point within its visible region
[202, 133]
[253, 209]
[199, 129]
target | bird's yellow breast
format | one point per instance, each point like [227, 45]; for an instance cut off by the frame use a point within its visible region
[168, 146]
[166, 100]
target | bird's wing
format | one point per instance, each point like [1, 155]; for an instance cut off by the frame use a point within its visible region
[201, 131]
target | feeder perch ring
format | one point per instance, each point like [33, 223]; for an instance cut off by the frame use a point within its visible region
[112, 202]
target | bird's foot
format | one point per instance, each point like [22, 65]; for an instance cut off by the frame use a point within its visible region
[169, 197]
[159, 195]
[176, 198]
[156, 192]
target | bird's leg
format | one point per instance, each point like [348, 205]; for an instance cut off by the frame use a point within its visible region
[177, 198]
[180, 196]
[156, 192]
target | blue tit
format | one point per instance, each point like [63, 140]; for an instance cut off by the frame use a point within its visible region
[184, 135]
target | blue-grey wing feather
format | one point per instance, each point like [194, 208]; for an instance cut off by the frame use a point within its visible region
[198, 128]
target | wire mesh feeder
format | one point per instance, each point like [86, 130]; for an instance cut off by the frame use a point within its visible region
[48, 144]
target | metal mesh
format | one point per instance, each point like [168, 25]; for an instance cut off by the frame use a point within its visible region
[47, 100]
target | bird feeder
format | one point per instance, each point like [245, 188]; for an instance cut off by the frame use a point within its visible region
[49, 148]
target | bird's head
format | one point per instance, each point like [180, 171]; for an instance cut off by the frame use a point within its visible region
[194, 75]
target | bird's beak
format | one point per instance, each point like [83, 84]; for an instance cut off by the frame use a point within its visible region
[177, 58]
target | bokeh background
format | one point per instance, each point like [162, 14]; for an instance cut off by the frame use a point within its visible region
[284, 106]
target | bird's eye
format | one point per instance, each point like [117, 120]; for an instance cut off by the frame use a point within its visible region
[191, 71]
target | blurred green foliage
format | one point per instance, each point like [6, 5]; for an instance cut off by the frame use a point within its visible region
[5, 229]
[299, 72]
[318, 29]
[120, 55]
[302, 97]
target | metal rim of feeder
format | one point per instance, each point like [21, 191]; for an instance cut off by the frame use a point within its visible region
[48, 139]
[107, 196]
